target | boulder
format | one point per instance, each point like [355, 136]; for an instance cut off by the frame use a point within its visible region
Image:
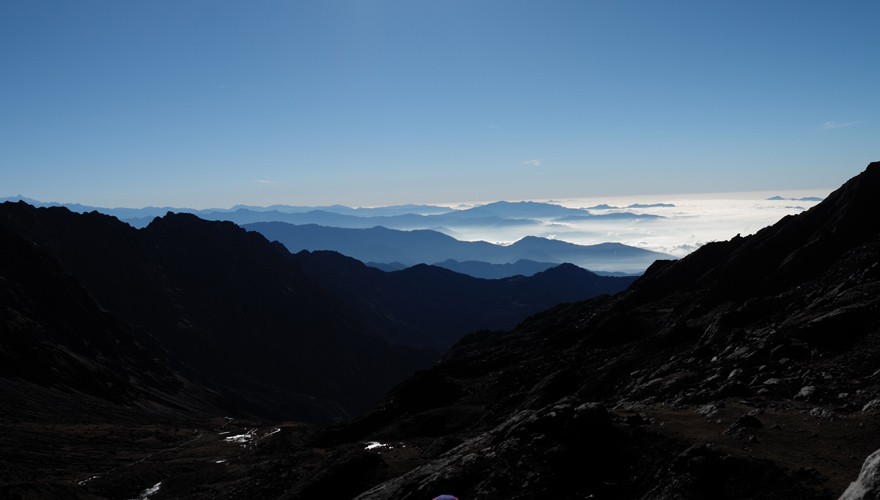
[867, 485]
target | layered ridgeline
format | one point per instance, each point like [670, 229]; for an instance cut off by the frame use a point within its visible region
[395, 237]
[380, 245]
[429, 306]
[312, 336]
[746, 370]
[228, 306]
[496, 214]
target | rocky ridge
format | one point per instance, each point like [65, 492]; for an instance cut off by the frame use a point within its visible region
[745, 370]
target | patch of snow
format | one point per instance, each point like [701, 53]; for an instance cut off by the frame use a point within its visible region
[242, 438]
[273, 431]
[372, 445]
[84, 481]
[221, 461]
[149, 491]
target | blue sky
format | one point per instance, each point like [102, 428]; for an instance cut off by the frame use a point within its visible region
[215, 103]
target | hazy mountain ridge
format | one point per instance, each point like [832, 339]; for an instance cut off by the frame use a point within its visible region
[228, 304]
[745, 370]
[406, 217]
[434, 307]
[244, 312]
[478, 269]
[742, 344]
[804, 198]
[379, 244]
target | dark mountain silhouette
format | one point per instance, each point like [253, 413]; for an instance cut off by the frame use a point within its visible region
[229, 305]
[522, 267]
[302, 336]
[746, 370]
[428, 306]
[763, 347]
[486, 270]
[379, 244]
[53, 337]
[187, 320]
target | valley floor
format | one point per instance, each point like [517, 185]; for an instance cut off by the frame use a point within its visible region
[122, 456]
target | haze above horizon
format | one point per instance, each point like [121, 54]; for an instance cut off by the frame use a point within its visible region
[370, 103]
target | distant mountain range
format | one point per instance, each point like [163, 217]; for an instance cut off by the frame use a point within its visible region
[169, 360]
[383, 245]
[477, 269]
[312, 336]
[485, 270]
[228, 305]
[429, 306]
[425, 243]
[497, 214]
[747, 369]
[805, 198]
[605, 206]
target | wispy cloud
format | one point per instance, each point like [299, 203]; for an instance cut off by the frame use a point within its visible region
[263, 181]
[533, 163]
[834, 124]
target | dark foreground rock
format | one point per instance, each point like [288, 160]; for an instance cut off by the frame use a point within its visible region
[745, 370]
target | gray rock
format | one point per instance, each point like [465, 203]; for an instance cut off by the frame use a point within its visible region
[867, 486]
[871, 406]
[822, 413]
[805, 392]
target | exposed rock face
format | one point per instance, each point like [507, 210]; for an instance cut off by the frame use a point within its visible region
[228, 306]
[867, 486]
[722, 339]
[316, 336]
[52, 334]
[746, 370]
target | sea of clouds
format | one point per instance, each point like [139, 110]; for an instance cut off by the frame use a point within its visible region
[692, 221]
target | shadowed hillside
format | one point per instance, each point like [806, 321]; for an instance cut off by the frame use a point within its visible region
[746, 370]
[228, 305]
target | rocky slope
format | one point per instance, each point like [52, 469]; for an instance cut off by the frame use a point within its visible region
[746, 370]
[316, 336]
[428, 306]
[227, 305]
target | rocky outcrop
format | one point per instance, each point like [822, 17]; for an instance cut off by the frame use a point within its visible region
[867, 486]
[759, 343]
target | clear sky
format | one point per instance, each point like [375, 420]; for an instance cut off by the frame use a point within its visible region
[209, 103]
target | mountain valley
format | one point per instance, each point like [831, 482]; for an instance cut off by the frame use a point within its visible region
[180, 361]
